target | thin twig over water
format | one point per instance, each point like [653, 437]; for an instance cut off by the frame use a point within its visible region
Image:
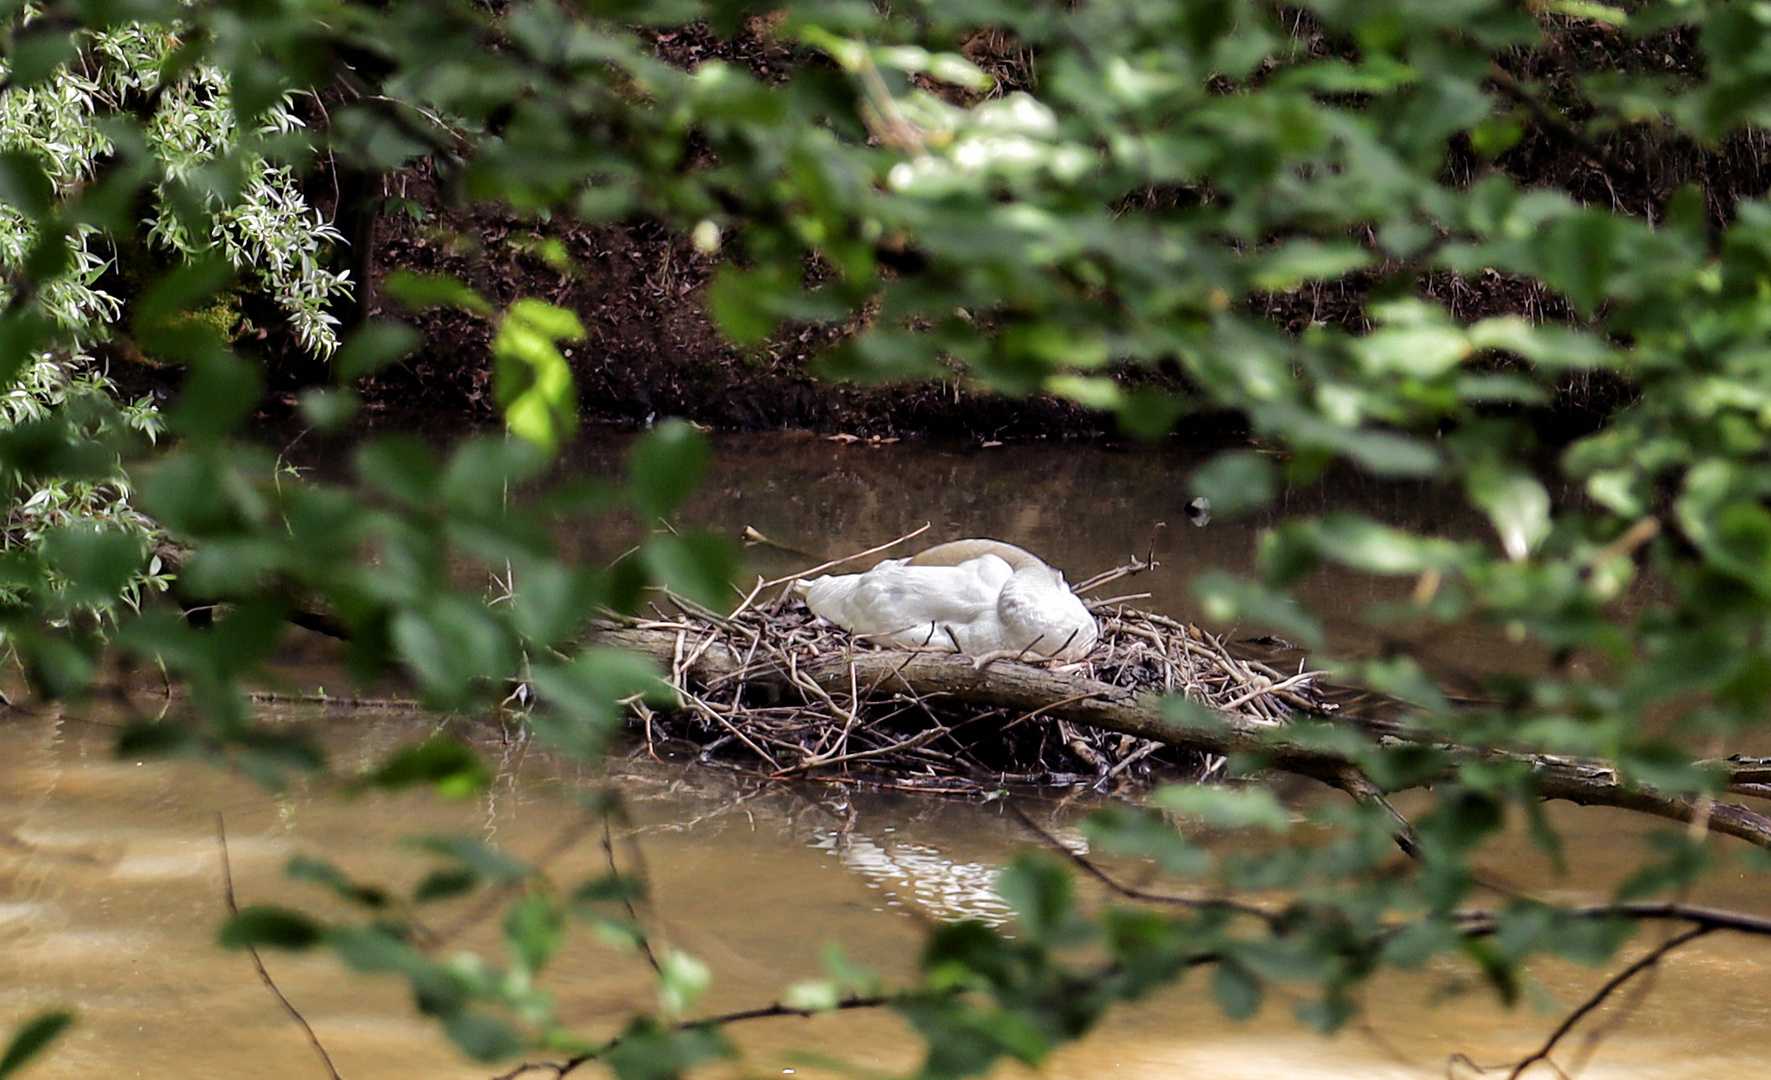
[227, 883]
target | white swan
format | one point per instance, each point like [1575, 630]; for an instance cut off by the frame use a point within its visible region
[972, 596]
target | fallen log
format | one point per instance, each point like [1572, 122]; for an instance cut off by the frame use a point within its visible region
[701, 658]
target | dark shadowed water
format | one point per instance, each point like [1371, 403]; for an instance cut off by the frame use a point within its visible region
[110, 883]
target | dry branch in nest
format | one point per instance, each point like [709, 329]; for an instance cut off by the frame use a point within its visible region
[776, 690]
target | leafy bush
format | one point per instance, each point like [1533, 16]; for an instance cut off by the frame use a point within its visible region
[1162, 173]
[260, 223]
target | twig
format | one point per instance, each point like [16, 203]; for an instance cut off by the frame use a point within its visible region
[1611, 985]
[746, 602]
[1060, 703]
[1360, 787]
[347, 701]
[645, 941]
[227, 885]
[574, 1063]
[1130, 569]
[849, 558]
[1300, 678]
[1087, 866]
[914, 742]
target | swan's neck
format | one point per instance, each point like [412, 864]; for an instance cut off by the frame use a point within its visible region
[958, 551]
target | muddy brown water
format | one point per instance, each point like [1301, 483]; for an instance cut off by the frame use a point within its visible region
[111, 891]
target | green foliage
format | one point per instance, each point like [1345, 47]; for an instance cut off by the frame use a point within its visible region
[1163, 175]
[269, 927]
[448, 765]
[32, 1038]
[533, 381]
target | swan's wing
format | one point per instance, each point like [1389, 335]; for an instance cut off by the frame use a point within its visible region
[892, 598]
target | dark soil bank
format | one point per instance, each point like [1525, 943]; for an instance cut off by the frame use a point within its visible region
[651, 349]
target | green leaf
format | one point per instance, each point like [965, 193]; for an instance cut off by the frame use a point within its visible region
[584, 693]
[1090, 391]
[1590, 10]
[1041, 893]
[23, 334]
[1299, 261]
[664, 466]
[1146, 834]
[447, 764]
[32, 1038]
[166, 322]
[1501, 973]
[1236, 481]
[452, 644]
[320, 872]
[374, 346]
[219, 394]
[681, 981]
[329, 410]
[38, 51]
[533, 381]
[1150, 414]
[813, 995]
[738, 300]
[264, 926]
[1228, 599]
[483, 472]
[152, 739]
[1516, 503]
[534, 927]
[486, 861]
[25, 184]
[482, 1036]
[1238, 991]
[646, 1050]
[609, 889]
[402, 466]
[375, 949]
[96, 562]
[419, 291]
[1228, 808]
[445, 884]
[696, 564]
[58, 668]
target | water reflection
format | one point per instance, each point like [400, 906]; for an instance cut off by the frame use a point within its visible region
[918, 874]
[110, 893]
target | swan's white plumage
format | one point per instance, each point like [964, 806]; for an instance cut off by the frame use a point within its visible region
[982, 595]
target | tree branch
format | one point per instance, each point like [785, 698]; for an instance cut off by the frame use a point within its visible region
[574, 1063]
[1087, 866]
[1588, 782]
[1611, 986]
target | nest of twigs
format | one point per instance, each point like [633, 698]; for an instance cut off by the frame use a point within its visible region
[765, 716]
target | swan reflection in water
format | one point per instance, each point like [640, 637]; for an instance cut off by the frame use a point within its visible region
[917, 876]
